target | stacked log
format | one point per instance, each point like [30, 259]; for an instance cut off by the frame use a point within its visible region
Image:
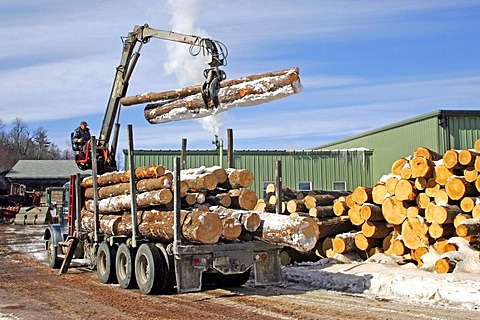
[216, 206]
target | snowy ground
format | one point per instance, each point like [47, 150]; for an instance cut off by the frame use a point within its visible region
[385, 277]
[381, 277]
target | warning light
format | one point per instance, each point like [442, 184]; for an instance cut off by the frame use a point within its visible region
[264, 256]
[196, 260]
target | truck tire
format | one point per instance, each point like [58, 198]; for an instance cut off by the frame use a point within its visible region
[106, 263]
[52, 255]
[232, 280]
[125, 267]
[151, 270]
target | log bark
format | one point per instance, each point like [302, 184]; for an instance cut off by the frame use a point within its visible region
[467, 157]
[457, 188]
[445, 265]
[432, 187]
[298, 233]
[196, 89]
[437, 230]
[312, 201]
[344, 242]
[250, 220]
[461, 217]
[371, 212]
[221, 199]
[123, 202]
[321, 212]
[333, 226]
[265, 89]
[445, 213]
[364, 243]
[376, 229]
[469, 227]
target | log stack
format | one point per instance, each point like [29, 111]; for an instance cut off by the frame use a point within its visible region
[216, 206]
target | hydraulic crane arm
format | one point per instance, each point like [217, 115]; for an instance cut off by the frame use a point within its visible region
[142, 35]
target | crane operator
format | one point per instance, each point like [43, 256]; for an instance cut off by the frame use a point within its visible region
[80, 137]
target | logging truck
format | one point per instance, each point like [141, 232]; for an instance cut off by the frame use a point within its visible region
[131, 258]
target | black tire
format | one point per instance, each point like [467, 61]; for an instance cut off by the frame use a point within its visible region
[125, 267]
[52, 255]
[106, 263]
[232, 280]
[151, 270]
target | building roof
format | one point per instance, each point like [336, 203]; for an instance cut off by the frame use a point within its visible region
[440, 114]
[44, 169]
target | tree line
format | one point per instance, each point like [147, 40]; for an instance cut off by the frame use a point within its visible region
[21, 143]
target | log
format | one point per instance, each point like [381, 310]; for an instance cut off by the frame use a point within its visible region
[194, 197]
[406, 172]
[391, 183]
[376, 229]
[146, 172]
[432, 187]
[477, 146]
[405, 190]
[239, 178]
[196, 89]
[349, 201]
[445, 265]
[422, 167]
[221, 199]
[298, 233]
[476, 164]
[394, 211]
[372, 212]
[218, 172]
[428, 212]
[422, 200]
[264, 89]
[421, 183]
[445, 213]
[242, 199]
[417, 255]
[109, 191]
[476, 211]
[321, 212]
[469, 227]
[467, 157]
[441, 198]
[199, 226]
[354, 214]
[457, 188]
[442, 173]
[333, 226]
[470, 174]
[427, 154]
[124, 176]
[250, 220]
[295, 205]
[312, 201]
[199, 181]
[231, 228]
[379, 193]
[415, 233]
[461, 217]
[263, 206]
[441, 246]
[398, 165]
[123, 202]
[108, 224]
[344, 242]
[414, 211]
[363, 243]
[327, 248]
[450, 159]
[362, 194]
[436, 230]
[340, 207]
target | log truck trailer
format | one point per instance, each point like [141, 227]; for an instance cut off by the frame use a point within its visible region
[135, 261]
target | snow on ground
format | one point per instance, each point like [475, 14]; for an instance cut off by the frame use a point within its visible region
[381, 277]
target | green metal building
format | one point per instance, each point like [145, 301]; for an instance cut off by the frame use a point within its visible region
[301, 170]
[439, 131]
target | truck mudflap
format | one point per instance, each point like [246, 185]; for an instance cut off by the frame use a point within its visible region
[191, 261]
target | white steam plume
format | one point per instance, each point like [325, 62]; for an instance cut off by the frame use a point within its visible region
[186, 68]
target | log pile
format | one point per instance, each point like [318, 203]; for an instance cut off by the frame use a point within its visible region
[216, 206]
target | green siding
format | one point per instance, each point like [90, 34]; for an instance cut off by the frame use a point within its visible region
[400, 140]
[321, 168]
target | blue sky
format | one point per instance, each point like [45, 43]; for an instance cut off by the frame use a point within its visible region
[363, 64]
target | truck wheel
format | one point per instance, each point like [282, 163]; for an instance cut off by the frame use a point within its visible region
[150, 269]
[232, 280]
[52, 255]
[106, 263]
[125, 267]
